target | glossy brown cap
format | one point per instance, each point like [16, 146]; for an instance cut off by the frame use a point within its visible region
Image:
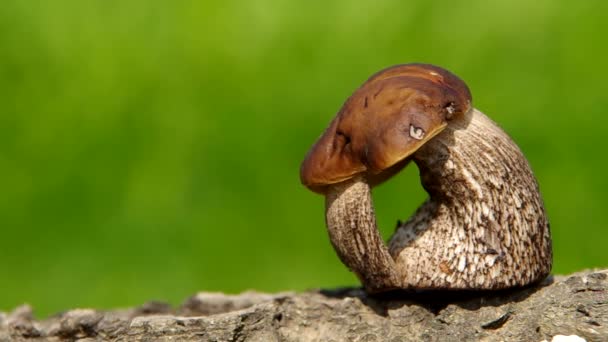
[386, 120]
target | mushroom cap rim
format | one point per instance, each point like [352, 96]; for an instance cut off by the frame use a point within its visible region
[322, 187]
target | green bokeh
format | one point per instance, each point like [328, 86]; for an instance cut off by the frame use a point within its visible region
[150, 149]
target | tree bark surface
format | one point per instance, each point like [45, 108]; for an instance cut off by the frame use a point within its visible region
[560, 305]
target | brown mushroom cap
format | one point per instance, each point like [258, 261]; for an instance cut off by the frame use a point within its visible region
[386, 120]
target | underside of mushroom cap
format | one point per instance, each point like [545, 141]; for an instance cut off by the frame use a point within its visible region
[386, 120]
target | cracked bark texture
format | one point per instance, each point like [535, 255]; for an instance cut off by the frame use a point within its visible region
[563, 305]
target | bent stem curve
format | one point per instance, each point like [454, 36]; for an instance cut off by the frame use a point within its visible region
[351, 223]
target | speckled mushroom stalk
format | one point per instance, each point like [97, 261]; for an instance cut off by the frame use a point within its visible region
[351, 223]
[484, 224]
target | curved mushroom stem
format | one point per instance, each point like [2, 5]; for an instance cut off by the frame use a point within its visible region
[484, 225]
[351, 223]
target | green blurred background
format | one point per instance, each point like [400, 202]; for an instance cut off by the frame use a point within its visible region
[150, 149]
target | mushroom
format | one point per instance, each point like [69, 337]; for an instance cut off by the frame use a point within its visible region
[484, 224]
